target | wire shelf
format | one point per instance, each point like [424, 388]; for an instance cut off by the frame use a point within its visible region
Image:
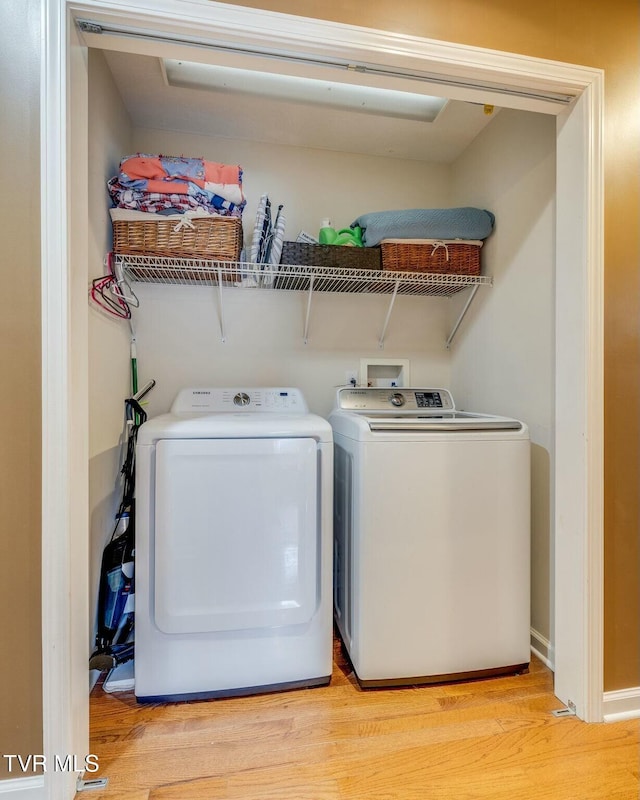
[292, 277]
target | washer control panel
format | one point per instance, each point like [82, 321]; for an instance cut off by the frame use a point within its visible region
[239, 401]
[405, 400]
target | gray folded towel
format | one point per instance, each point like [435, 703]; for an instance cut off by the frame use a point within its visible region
[425, 223]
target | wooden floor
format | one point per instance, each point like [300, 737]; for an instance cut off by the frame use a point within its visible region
[469, 741]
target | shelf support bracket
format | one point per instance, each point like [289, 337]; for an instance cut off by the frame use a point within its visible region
[308, 312]
[221, 306]
[388, 317]
[474, 289]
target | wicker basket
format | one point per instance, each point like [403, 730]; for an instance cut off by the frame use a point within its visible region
[431, 255]
[215, 238]
[326, 255]
[330, 255]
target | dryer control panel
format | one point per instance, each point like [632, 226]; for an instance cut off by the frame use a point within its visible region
[239, 400]
[396, 400]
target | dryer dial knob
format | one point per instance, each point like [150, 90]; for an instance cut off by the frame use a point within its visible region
[241, 399]
[397, 399]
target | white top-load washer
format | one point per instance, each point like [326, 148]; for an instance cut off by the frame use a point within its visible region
[233, 546]
[431, 537]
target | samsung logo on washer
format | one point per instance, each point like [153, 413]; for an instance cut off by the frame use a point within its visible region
[196, 392]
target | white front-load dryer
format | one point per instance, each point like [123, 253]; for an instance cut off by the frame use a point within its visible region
[233, 546]
[431, 537]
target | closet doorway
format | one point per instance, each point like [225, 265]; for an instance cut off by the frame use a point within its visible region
[179, 27]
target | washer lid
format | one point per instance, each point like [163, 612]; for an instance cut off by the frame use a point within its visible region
[370, 413]
[447, 422]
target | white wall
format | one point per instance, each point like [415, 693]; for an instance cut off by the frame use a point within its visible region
[177, 328]
[109, 139]
[312, 184]
[503, 356]
[179, 340]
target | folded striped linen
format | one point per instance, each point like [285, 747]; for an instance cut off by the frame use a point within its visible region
[156, 183]
[425, 223]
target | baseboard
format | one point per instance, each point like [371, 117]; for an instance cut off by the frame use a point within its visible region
[31, 788]
[542, 648]
[616, 706]
[622, 704]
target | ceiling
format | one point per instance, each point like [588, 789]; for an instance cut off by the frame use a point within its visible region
[151, 103]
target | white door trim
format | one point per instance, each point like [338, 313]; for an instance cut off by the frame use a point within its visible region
[579, 436]
[64, 478]
[59, 697]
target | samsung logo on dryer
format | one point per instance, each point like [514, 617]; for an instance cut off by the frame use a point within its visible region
[201, 392]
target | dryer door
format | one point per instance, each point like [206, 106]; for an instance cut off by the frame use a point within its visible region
[236, 534]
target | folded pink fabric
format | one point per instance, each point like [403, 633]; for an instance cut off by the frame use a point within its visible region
[155, 182]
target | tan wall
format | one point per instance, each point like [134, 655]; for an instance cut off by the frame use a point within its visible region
[603, 35]
[20, 663]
